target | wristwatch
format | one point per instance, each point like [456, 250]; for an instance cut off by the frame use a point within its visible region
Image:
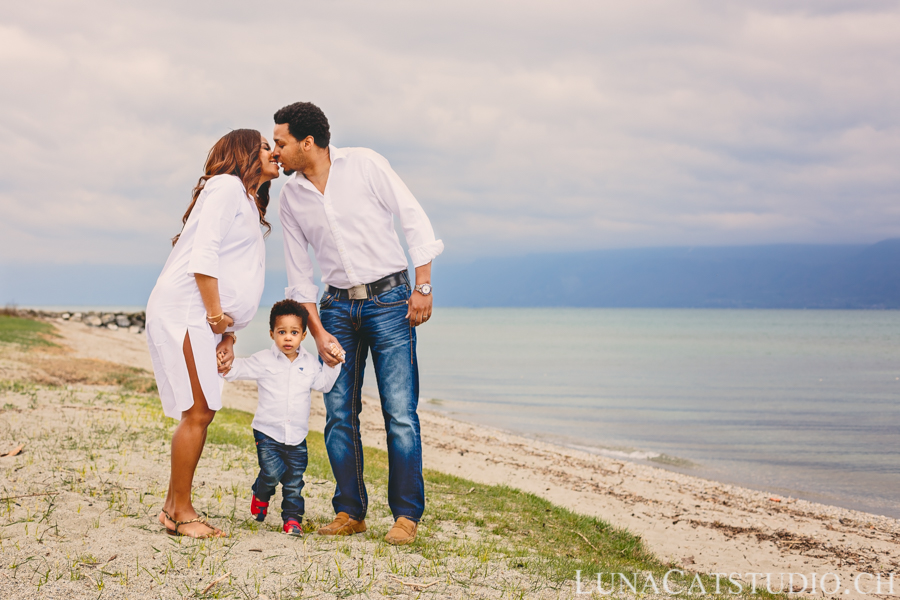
[424, 289]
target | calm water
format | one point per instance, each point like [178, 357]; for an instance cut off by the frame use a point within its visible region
[801, 403]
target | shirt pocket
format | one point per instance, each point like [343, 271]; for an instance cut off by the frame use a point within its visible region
[272, 369]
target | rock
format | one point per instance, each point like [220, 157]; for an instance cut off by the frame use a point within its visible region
[107, 318]
[66, 316]
[77, 316]
[112, 326]
[92, 321]
[123, 321]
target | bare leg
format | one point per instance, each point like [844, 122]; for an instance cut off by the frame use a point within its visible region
[187, 445]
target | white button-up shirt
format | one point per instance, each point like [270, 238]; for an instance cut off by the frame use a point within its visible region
[351, 225]
[284, 390]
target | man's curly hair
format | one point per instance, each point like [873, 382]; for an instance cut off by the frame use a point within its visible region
[304, 119]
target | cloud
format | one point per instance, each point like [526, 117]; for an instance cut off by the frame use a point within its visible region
[521, 126]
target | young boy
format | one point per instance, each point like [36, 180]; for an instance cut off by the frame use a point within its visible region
[284, 374]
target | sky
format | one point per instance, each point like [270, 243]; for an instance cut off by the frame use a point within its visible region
[521, 126]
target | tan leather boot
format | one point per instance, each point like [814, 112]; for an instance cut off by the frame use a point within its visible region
[403, 532]
[343, 525]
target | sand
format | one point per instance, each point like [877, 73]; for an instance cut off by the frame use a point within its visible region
[702, 525]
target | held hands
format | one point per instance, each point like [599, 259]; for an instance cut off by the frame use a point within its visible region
[419, 309]
[330, 349]
[225, 354]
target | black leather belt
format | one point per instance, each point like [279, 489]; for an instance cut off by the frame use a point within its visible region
[366, 291]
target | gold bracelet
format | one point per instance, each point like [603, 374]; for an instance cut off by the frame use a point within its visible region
[230, 334]
[215, 320]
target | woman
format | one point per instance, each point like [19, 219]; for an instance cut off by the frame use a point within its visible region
[210, 286]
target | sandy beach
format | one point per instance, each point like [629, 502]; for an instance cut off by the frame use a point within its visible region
[695, 524]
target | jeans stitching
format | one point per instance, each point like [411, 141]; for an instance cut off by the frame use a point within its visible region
[354, 419]
[391, 304]
[381, 304]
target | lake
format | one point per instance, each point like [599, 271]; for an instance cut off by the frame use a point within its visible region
[799, 403]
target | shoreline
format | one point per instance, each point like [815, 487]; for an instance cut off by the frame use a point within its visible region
[701, 524]
[672, 464]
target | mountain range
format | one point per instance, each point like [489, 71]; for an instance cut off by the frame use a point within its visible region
[772, 276]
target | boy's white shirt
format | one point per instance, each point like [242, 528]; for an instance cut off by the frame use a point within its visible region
[284, 390]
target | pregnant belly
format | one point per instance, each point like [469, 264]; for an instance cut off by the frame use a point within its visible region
[242, 305]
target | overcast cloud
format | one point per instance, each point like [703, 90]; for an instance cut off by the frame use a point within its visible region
[521, 126]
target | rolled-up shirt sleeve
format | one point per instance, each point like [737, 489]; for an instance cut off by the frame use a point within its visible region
[390, 189]
[217, 213]
[296, 257]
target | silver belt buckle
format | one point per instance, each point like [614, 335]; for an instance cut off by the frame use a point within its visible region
[358, 292]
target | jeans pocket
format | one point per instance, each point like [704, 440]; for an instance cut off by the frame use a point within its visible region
[326, 301]
[395, 297]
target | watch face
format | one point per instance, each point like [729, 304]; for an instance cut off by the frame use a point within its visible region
[425, 289]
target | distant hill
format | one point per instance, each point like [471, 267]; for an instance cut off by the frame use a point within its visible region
[780, 276]
[777, 276]
[95, 285]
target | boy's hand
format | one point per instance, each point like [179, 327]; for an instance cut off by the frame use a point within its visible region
[225, 354]
[329, 349]
[338, 352]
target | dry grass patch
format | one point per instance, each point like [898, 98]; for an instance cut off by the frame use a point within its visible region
[57, 368]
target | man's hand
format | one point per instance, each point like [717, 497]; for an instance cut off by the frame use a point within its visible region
[419, 309]
[329, 349]
[225, 354]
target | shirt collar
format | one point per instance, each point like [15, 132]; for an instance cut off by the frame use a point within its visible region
[334, 154]
[279, 355]
[276, 353]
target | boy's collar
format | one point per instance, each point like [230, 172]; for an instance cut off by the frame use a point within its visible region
[278, 353]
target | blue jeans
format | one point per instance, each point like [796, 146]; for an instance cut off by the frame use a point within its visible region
[284, 464]
[378, 324]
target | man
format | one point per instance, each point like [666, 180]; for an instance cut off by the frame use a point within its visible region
[342, 202]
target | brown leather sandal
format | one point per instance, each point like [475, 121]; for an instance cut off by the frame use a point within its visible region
[167, 517]
[202, 520]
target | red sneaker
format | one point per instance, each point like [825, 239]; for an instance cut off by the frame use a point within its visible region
[259, 509]
[292, 527]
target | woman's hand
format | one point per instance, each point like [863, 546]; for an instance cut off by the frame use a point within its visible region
[225, 354]
[222, 325]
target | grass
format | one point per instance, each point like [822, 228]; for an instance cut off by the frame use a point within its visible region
[534, 534]
[25, 332]
[530, 533]
[482, 524]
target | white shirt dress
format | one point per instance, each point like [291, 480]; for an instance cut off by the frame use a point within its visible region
[223, 239]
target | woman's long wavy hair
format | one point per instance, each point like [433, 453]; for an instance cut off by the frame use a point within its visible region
[237, 153]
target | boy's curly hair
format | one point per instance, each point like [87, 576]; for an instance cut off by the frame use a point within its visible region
[288, 307]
